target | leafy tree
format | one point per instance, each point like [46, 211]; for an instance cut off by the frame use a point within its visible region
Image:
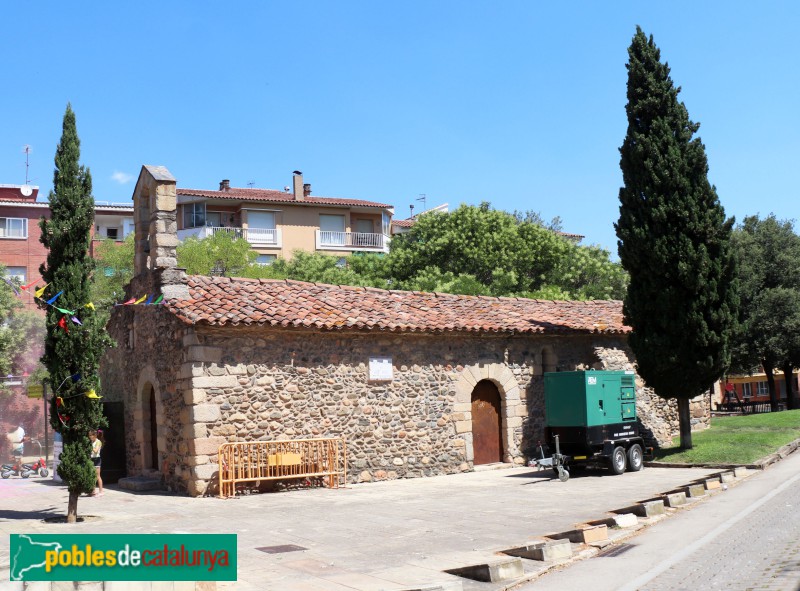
[768, 253]
[222, 253]
[674, 241]
[72, 351]
[8, 336]
[114, 270]
[507, 254]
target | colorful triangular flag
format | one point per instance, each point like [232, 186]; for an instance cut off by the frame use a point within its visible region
[62, 323]
[26, 287]
[129, 302]
[55, 297]
[39, 292]
[92, 394]
[158, 300]
[89, 305]
[63, 311]
[150, 300]
[141, 299]
[76, 321]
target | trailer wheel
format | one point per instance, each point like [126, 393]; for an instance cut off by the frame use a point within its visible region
[618, 462]
[563, 474]
[635, 458]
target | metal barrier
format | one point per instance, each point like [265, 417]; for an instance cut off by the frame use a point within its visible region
[252, 461]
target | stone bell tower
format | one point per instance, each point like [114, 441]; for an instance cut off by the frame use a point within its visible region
[156, 233]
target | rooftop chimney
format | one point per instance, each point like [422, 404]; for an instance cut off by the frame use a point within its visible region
[224, 185]
[299, 193]
[306, 189]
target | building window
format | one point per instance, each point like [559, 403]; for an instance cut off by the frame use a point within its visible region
[194, 215]
[112, 233]
[386, 223]
[19, 273]
[746, 391]
[266, 259]
[332, 230]
[783, 389]
[214, 218]
[13, 228]
[763, 389]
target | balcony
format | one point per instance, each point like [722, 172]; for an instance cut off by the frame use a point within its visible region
[351, 241]
[255, 236]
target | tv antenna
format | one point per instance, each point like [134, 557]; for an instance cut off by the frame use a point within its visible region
[422, 197]
[251, 184]
[27, 149]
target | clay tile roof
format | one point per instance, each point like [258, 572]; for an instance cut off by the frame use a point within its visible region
[274, 196]
[221, 301]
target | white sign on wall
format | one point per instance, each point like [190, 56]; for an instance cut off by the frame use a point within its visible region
[380, 369]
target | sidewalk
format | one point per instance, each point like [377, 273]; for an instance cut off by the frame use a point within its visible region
[392, 535]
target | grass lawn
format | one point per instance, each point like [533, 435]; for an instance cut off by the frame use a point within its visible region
[736, 440]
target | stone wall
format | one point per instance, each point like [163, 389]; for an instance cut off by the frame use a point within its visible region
[215, 385]
[149, 352]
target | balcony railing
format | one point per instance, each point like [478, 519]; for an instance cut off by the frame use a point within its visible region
[256, 236]
[327, 240]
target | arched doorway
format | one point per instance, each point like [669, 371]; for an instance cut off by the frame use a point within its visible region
[487, 442]
[150, 439]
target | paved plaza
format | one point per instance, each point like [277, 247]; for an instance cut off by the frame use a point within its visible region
[392, 535]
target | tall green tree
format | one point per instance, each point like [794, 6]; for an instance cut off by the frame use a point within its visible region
[674, 241]
[114, 270]
[72, 351]
[768, 254]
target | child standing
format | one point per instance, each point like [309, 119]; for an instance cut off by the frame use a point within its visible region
[96, 437]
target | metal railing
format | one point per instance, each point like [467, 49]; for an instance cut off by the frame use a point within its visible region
[748, 407]
[329, 239]
[267, 236]
[253, 461]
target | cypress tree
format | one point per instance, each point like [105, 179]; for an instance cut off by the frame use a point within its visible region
[72, 349]
[674, 241]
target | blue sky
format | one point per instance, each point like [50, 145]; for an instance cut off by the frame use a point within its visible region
[518, 103]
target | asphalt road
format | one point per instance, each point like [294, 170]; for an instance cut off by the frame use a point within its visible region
[747, 537]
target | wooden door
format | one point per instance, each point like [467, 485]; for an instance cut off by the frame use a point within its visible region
[486, 440]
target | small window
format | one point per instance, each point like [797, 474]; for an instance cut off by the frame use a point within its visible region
[194, 215]
[341, 262]
[13, 228]
[763, 388]
[19, 273]
[112, 233]
[214, 218]
[266, 259]
[746, 390]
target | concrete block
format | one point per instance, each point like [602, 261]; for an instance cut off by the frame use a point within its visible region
[695, 490]
[645, 508]
[626, 520]
[675, 499]
[726, 477]
[740, 472]
[140, 483]
[205, 471]
[495, 571]
[543, 550]
[584, 535]
[712, 483]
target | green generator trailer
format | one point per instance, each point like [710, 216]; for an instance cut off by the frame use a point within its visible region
[590, 416]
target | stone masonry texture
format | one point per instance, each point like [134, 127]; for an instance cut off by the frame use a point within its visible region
[236, 383]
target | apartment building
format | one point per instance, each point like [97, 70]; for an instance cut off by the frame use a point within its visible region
[21, 251]
[276, 223]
